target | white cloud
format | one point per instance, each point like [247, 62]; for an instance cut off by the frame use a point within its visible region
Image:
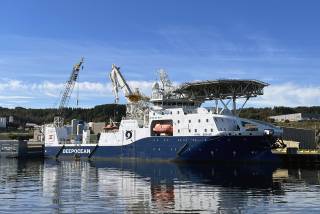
[10, 97]
[289, 94]
[12, 85]
[16, 91]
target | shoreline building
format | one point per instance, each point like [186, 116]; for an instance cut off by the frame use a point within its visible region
[295, 117]
[3, 122]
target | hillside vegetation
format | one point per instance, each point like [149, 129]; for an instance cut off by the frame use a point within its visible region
[264, 113]
[116, 112]
[42, 116]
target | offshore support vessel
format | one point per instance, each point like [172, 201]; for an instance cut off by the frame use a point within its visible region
[173, 125]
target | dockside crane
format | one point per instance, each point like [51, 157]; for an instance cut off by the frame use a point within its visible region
[67, 91]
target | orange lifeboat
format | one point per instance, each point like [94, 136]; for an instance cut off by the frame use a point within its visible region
[110, 127]
[163, 129]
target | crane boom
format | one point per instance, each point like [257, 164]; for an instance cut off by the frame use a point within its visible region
[118, 82]
[136, 101]
[66, 94]
[69, 85]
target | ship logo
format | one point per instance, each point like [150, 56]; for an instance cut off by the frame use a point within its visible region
[76, 151]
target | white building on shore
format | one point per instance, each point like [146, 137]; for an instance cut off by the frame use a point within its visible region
[3, 122]
[295, 117]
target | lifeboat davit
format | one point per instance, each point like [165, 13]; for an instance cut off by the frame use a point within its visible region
[163, 128]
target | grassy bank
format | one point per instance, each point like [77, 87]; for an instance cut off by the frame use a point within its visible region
[301, 124]
[16, 135]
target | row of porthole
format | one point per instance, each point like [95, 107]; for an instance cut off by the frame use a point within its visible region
[199, 120]
[175, 149]
[234, 153]
[179, 140]
[211, 130]
[193, 139]
[171, 149]
[163, 139]
[196, 130]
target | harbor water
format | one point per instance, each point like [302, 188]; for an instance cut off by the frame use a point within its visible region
[50, 186]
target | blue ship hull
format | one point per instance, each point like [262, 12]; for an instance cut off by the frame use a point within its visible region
[197, 148]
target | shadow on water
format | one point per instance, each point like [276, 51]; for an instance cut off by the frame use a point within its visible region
[144, 187]
[243, 176]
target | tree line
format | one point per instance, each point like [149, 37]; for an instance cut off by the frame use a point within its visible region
[102, 113]
[264, 113]
[99, 113]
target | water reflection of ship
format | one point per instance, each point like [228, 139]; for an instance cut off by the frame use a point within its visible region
[162, 195]
[173, 186]
[75, 177]
[128, 186]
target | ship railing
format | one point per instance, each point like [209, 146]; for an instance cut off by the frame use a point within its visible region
[63, 142]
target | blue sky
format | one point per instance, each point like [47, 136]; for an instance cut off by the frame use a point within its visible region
[274, 41]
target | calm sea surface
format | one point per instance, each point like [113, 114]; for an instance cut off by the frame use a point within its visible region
[144, 187]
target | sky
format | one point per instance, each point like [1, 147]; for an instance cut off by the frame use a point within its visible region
[274, 41]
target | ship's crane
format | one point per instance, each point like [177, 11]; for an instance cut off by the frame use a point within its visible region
[66, 93]
[118, 82]
[136, 101]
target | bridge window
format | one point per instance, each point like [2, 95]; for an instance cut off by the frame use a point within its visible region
[199, 120]
[178, 130]
[189, 121]
[195, 130]
[211, 130]
[178, 121]
[205, 130]
[207, 120]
